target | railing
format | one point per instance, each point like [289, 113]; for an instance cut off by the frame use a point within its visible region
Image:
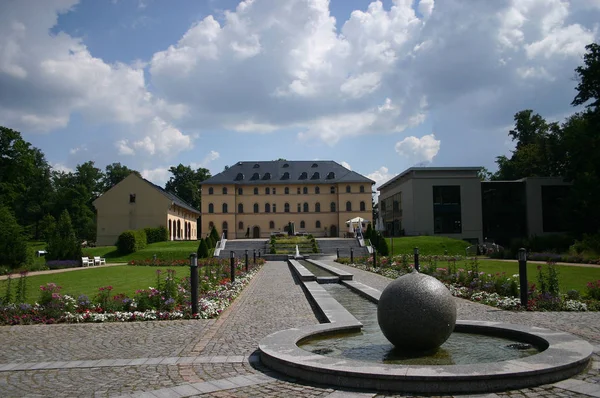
[220, 245]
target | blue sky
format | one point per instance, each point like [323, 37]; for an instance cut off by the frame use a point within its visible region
[381, 86]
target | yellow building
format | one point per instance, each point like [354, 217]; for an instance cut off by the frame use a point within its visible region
[136, 203]
[256, 199]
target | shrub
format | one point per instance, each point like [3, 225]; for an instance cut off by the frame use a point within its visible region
[202, 249]
[214, 234]
[158, 234]
[593, 290]
[47, 227]
[64, 245]
[131, 241]
[369, 231]
[13, 245]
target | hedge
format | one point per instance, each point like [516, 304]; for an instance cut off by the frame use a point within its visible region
[131, 241]
[158, 234]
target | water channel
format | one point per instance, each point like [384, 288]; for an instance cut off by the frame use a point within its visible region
[316, 271]
[372, 346]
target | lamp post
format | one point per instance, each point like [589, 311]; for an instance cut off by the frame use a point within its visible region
[338, 253]
[416, 252]
[351, 255]
[254, 256]
[194, 281]
[246, 258]
[232, 266]
[523, 275]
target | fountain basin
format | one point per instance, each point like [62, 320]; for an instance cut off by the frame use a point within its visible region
[565, 356]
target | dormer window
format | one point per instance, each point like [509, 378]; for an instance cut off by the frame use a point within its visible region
[285, 176]
[330, 175]
[315, 176]
[255, 176]
[304, 175]
[239, 177]
[256, 166]
[267, 176]
[314, 165]
[131, 198]
[285, 165]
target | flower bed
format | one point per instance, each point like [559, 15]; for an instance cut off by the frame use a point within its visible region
[169, 299]
[497, 290]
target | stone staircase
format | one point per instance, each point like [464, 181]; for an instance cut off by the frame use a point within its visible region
[240, 245]
[329, 246]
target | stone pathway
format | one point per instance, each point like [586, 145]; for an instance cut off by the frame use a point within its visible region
[217, 358]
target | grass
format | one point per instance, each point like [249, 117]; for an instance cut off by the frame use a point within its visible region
[123, 278]
[569, 277]
[172, 250]
[428, 245]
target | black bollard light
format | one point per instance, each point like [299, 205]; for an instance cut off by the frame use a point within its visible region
[351, 255]
[254, 257]
[258, 253]
[338, 253]
[374, 257]
[246, 260]
[523, 275]
[416, 251]
[232, 266]
[194, 281]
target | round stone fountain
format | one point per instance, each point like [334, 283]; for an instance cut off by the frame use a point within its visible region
[417, 314]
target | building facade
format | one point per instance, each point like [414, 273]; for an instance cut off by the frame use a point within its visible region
[433, 201]
[453, 202]
[136, 203]
[256, 199]
[531, 206]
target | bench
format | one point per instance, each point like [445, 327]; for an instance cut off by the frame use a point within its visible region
[99, 261]
[86, 261]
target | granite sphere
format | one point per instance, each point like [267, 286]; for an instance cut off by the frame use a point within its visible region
[416, 312]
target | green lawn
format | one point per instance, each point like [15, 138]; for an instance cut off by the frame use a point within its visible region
[123, 279]
[428, 245]
[569, 277]
[172, 250]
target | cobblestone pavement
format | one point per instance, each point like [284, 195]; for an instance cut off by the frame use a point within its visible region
[217, 358]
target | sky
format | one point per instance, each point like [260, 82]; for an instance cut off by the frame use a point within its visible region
[378, 86]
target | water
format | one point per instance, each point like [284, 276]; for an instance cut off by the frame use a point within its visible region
[372, 346]
[317, 271]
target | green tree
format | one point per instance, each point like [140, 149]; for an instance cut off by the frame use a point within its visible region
[25, 185]
[484, 174]
[214, 234]
[185, 183]
[588, 88]
[538, 151]
[47, 227]
[64, 245]
[115, 173]
[13, 243]
[202, 249]
[368, 232]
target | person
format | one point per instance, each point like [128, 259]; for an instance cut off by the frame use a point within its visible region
[247, 232]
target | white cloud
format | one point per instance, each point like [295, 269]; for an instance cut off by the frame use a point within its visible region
[212, 156]
[158, 176]
[124, 148]
[346, 165]
[418, 150]
[380, 176]
[61, 167]
[271, 65]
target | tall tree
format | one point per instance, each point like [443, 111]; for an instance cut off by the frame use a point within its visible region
[185, 183]
[115, 173]
[588, 88]
[24, 179]
[537, 151]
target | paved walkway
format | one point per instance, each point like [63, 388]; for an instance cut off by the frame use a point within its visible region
[217, 358]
